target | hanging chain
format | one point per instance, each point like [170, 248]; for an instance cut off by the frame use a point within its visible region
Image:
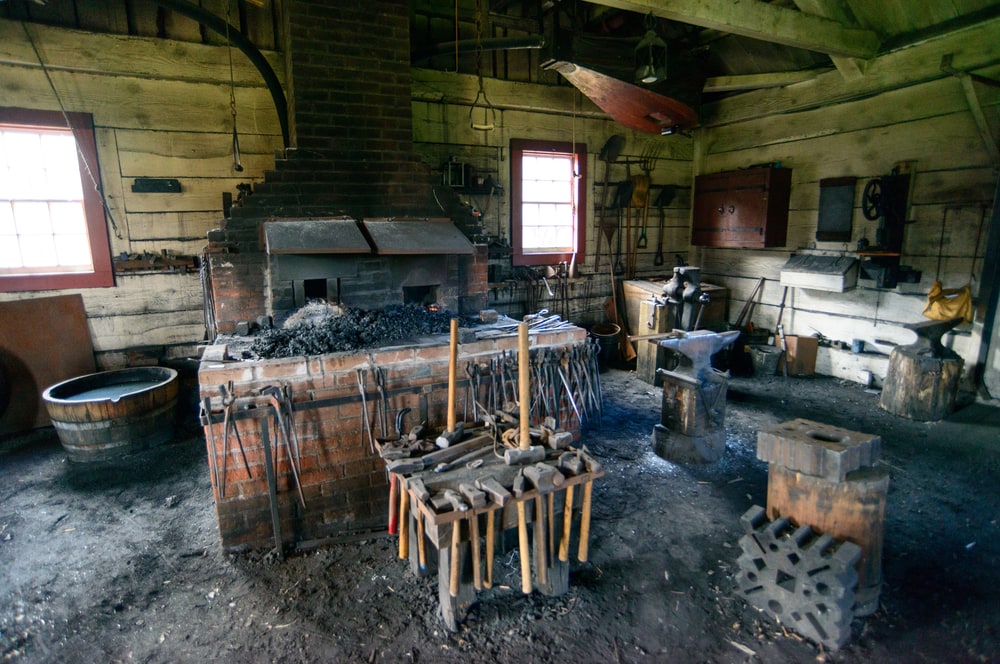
[237, 164]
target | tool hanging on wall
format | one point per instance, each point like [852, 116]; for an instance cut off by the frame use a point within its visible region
[663, 200]
[237, 162]
[489, 120]
[650, 154]
[609, 153]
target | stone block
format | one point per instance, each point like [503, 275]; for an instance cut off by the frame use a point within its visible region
[818, 449]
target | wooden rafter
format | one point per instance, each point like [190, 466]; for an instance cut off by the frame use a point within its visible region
[760, 20]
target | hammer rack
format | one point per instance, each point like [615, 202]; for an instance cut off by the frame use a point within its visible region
[464, 543]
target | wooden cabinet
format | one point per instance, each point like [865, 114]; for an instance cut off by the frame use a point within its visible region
[747, 208]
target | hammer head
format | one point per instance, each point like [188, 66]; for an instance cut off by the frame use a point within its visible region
[517, 456]
[472, 495]
[543, 477]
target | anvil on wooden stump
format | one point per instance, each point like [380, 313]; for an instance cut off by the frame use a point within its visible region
[922, 380]
[693, 411]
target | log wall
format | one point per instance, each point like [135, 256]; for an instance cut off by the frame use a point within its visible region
[161, 109]
[441, 128]
[904, 111]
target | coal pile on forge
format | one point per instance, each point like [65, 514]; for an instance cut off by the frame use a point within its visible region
[319, 328]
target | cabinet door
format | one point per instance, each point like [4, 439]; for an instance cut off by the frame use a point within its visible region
[738, 209]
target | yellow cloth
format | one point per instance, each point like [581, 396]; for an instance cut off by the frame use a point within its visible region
[948, 303]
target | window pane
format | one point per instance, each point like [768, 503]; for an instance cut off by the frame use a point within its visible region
[6, 219]
[72, 251]
[68, 218]
[44, 230]
[32, 218]
[10, 252]
[38, 251]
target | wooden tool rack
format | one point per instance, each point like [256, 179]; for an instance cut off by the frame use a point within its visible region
[463, 544]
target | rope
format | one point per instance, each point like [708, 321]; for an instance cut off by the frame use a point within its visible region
[69, 125]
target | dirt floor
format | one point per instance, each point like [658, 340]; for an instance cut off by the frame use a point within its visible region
[126, 565]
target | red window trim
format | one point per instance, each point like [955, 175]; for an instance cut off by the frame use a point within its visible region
[517, 148]
[82, 125]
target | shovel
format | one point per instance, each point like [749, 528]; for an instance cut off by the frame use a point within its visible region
[609, 153]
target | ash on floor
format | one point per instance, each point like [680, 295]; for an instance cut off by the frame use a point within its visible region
[125, 564]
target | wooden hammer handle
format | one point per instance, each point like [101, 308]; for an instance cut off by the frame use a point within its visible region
[477, 571]
[567, 525]
[404, 521]
[421, 545]
[523, 386]
[583, 551]
[393, 493]
[456, 550]
[490, 548]
[522, 545]
[452, 372]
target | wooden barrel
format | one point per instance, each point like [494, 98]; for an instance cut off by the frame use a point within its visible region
[106, 415]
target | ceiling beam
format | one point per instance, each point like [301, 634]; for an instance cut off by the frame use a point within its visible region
[850, 68]
[755, 81]
[759, 20]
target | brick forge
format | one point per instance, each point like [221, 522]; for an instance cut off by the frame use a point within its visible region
[343, 482]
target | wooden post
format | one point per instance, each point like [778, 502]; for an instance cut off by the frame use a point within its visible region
[452, 373]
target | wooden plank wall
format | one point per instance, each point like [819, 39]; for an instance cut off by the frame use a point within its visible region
[441, 129]
[161, 109]
[925, 120]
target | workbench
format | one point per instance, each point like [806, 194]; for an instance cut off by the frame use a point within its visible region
[463, 544]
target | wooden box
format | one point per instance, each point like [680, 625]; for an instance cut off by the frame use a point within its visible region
[747, 208]
[800, 354]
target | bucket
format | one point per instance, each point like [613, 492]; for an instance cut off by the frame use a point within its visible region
[106, 415]
[607, 335]
[765, 359]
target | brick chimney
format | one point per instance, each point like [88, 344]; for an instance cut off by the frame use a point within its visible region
[348, 83]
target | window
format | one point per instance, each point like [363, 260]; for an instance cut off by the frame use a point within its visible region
[548, 199]
[52, 225]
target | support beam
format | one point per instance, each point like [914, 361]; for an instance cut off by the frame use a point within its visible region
[850, 68]
[757, 81]
[974, 47]
[763, 21]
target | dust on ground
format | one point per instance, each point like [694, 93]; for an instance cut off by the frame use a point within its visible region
[125, 564]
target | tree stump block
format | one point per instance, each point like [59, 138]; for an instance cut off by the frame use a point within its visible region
[920, 386]
[852, 509]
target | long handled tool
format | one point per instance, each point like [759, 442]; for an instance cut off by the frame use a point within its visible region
[609, 153]
[524, 444]
[666, 196]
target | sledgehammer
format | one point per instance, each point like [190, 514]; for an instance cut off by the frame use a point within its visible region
[449, 437]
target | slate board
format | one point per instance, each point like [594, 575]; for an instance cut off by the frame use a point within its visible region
[315, 236]
[417, 237]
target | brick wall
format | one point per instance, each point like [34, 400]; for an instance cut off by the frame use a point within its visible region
[343, 482]
[348, 73]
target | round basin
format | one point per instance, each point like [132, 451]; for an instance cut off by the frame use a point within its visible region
[106, 415]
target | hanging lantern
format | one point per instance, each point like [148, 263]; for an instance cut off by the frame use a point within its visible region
[650, 56]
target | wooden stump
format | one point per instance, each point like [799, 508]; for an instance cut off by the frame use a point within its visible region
[852, 509]
[692, 419]
[920, 386]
